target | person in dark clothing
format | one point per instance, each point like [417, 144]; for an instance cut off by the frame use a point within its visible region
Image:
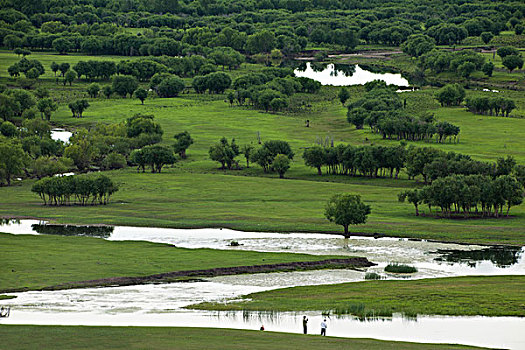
[305, 325]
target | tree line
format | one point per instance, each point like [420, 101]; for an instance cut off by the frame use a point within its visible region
[468, 196]
[76, 189]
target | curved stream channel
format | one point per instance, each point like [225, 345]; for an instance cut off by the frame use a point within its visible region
[162, 304]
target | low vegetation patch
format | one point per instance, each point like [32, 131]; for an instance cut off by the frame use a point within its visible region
[455, 296]
[399, 268]
[372, 276]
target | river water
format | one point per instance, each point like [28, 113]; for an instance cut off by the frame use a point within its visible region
[163, 304]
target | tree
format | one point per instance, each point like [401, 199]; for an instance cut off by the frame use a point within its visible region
[124, 85]
[46, 106]
[512, 62]
[450, 95]
[13, 160]
[346, 209]
[218, 82]
[486, 37]
[55, 67]
[62, 45]
[8, 129]
[413, 196]
[507, 51]
[418, 44]
[260, 42]
[247, 151]
[70, 77]
[107, 90]
[157, 156]
[93, 90]
[12, 41]
[281, 164]
[343, 95]
[224, 153]
[466, 69]
[183, 141]
[9, 106]
[78, 107]
[63, 68]
[314, 157]
[141, 94]
[488, 68]
[170, 86]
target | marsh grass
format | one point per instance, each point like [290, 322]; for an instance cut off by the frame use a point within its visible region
[400, 268]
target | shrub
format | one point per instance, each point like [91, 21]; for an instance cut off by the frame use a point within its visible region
[400, 268]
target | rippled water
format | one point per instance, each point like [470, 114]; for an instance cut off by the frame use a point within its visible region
[331, 75]
[162, 305]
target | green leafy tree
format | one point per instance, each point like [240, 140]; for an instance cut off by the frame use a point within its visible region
[488, 68]
[315, 157]
[412, 196]
[55, 67]
[124, 85]
[486, 37]
[418, 44]
[13, 160]
[450, 95]
[78, 107]
[141, 94]
[224, 153]
[62, 45]
[512, 62]
[70, 77]
[46, 107]
[260, 42]
[247, 151]
[107, 90]
[93, 90]
[8, 129]
[347, 209]
[343, 95]
[157, 156]
[183, 141]
[63, 68]
[170, 87]
[507, 51]
[281, 164]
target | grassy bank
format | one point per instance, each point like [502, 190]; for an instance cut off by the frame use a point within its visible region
[178, 198]
[35, 262]
[62, 337]
[456, 296]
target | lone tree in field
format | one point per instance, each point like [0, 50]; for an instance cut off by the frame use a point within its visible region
[346, 209]
[343, 95]
[141, 94]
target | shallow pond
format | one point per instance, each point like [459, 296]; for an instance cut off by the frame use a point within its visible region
[61, 134]
[345, 75]
[162, 305]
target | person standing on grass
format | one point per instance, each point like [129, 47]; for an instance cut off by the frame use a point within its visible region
[305, 325]
[323, 327]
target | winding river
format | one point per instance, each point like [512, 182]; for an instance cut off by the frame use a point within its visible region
[163, 304]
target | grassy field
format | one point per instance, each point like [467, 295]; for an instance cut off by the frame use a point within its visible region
[194, 193]
[456, 296]
[35, 262]
[63, 337]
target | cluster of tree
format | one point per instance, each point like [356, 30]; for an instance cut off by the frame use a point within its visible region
[184, 27]
[463, 63]
[154, 156]
[472, 195]
[216, 82]
[32, 69]
[381, 109]
[371, 161]
[432, 164]
[272, 156]
[510, 58]
[95, 69]
[270, 89]
[450, 95]
[76, 189]
[490, 105]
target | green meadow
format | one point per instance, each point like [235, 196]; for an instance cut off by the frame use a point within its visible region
[35, 262]
[195, 193]
[455, 296]
[62, 337]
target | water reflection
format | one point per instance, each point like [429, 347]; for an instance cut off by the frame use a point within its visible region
[500, 256]
[344, 74]
[73, 230]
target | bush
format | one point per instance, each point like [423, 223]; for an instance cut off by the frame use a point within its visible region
[114, 161]
[400, 268]
[372, 276]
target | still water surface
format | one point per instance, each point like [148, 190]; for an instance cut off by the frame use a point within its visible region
[345, 75]
[163, 304]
